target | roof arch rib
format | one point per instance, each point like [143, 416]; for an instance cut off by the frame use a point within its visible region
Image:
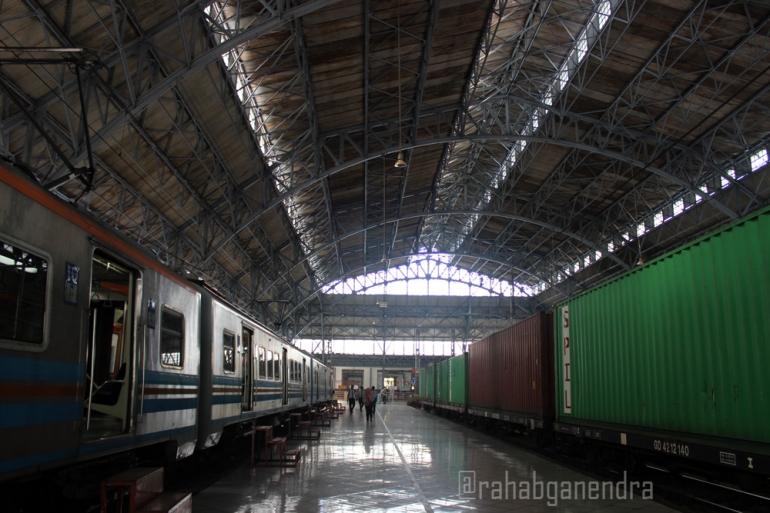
[302, 306]
[504, 262]
[616, 155]
[207, 220]
[549, 143]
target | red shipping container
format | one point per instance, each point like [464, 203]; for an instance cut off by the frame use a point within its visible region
[483, 368]
[512, 370]
[526, 367]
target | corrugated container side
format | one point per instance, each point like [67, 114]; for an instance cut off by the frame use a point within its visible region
[483, 369]
[680, 344]
[458, 377]
[442, 382]
[428, 384]
[526, 367]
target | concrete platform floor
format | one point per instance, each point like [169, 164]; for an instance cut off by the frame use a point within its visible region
[409, 461]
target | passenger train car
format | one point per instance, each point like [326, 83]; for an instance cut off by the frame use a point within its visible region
[103, 350]
[666, 363]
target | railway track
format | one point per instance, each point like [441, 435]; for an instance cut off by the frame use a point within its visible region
[682, 490]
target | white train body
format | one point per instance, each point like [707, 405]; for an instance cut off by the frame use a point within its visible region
[104, 350]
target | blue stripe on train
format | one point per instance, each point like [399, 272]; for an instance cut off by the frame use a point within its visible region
[18, 415]
[227, 380]
[18, 368]
[246, 416]
[31, 414]
[227, 399]
[169, 378]
[263, 396]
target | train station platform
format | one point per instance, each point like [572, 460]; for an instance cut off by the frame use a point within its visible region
[407, 460]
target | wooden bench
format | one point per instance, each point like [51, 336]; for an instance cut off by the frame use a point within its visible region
[144, 487]
[317, 419]
[285, 458]
[291, 458]
[301, 429]
[306, 432]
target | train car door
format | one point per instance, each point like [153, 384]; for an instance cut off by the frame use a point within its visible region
[285, 377]
[311, 388]
[110, 357]
[247, 369]
[304, 380]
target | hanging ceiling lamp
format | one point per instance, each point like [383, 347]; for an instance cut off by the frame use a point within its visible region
[400, 162]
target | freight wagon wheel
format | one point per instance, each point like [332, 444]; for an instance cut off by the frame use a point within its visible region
[537, 438]
[558, 443]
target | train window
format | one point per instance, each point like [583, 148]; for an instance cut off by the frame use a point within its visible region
[269, 365]
[262, 373]
[23, 291]
[171, 338]
[228, 345]
[277, 364]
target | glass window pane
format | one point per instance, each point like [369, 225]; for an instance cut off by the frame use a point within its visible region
[23, 281]
[262, 371]
[171, 338]
[269, 365]
[228, 345]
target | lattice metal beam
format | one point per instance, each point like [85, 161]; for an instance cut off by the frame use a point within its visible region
[105, 95]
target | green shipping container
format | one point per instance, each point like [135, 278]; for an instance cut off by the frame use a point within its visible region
[428, 384]
[680, 344]
[458, 380]
[442, 382]
[451, 381]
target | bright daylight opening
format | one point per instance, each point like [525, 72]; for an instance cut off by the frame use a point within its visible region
[392, 348]
[428, 275]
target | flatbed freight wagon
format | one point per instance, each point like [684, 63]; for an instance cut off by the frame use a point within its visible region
[672, 356]
[512, 374]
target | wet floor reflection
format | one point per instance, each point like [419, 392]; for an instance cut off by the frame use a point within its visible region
[355, 467]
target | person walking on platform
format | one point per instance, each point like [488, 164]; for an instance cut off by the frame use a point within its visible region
[374, 403]
[369, 399]
[360, 396]
[351, 399]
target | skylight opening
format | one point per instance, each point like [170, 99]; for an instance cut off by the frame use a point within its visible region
[759, 160]
[556, 87]
[428, 276]
[373, 346]
[562, 79]
[582, 47]
[245, 91]
[603, 15]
